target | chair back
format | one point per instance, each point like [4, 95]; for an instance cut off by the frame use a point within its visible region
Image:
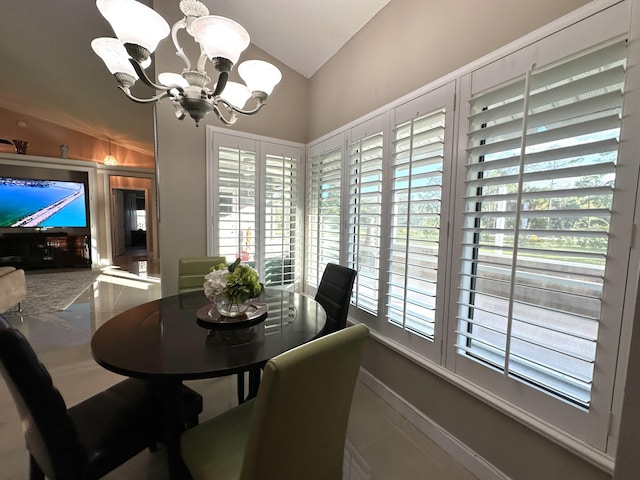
[300, 415]
[334, 294]
[191, 272]
[48, 430]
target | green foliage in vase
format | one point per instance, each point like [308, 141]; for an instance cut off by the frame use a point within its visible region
[242, 284]
[238, 284]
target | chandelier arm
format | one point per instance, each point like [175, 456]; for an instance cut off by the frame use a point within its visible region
[222, 82]
[179, 25]
[232, 119]
[154, 99]
[202, 60]
[147, 81]
[230, 107]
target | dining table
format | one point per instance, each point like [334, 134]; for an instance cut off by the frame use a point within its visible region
[183, 337]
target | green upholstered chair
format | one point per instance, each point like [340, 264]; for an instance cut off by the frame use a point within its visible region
[191, 272]
[295, 428]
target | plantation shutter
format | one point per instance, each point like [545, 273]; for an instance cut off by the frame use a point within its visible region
[236, 219]
[324, 174]
[281, 221]
[540, 176]
[416, 197]
[365, 214]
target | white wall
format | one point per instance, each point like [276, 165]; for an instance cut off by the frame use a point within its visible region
[413, 42]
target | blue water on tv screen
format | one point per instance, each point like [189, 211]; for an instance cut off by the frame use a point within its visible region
[42, 203]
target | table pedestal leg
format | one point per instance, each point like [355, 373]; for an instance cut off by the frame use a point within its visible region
[172, 426]
[254, 382]
[240, 388]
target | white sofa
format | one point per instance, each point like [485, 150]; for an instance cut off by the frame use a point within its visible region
[13, 288]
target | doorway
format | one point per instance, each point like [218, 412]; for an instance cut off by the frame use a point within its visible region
[130, 222]
[133, 242]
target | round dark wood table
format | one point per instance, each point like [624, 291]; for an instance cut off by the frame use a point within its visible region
[164, 341]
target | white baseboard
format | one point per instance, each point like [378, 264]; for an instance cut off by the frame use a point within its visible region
[473, 462]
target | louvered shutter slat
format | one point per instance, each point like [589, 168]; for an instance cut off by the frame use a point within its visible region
[365, 218]
[323, 214]
[281, 220]
[540, 252]
[236, 203]
[417, 164]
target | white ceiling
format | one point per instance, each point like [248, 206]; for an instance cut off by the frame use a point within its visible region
[46, 58]
[302, 34]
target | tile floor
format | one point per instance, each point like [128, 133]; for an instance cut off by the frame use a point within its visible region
[380, 443]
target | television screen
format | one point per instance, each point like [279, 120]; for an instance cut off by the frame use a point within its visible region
[42, 203]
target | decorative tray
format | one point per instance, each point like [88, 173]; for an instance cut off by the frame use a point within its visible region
[209, 317]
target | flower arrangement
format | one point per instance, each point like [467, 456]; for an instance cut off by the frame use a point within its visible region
[232, 285]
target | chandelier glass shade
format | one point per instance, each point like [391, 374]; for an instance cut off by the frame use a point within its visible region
[139, 29]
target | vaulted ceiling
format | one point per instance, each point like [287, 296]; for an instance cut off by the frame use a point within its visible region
[50, 72]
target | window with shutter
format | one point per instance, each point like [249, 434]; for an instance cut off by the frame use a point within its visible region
[254, 199]
[540, 183]
[324, 177]
[281, 222]
[236, 219]
[365, 216]
[416, 197]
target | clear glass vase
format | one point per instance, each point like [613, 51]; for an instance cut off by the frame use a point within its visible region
[230, 309]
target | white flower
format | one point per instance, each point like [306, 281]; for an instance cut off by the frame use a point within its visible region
[215, 283]
[236, 283]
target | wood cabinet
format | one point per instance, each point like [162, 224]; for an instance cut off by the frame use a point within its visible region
[39, 250]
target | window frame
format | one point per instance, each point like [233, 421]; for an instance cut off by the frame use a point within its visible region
[593, 425]
[261, 146]
[377, 126]
[442, 97]
[314, 262]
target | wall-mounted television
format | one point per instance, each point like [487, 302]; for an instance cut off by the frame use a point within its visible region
[42, 203]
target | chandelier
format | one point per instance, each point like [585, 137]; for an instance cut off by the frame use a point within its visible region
[139, 30]
[110, 160]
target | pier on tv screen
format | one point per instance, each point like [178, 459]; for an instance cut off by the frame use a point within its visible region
[26, 202]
